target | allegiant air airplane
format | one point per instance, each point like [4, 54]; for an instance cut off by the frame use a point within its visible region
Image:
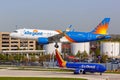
[55, 36]
[80, 67]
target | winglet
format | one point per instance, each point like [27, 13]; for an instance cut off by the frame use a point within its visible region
[102, 27]
[69, 28]
[61, 62]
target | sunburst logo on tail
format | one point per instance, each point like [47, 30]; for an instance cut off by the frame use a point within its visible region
[102, 27]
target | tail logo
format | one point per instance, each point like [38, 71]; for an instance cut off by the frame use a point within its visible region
[102, 27]
[61, 62]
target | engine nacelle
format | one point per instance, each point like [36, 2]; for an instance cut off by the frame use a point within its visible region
[43, 40]
[78, 71]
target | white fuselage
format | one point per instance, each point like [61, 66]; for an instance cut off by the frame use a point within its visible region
[34, 34]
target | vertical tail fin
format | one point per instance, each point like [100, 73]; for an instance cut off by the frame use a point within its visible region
[102, 27]
[61, 62]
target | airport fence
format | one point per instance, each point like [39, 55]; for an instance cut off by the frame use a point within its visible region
[109, 66]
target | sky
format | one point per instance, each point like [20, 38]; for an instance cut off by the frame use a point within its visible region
[84, 15]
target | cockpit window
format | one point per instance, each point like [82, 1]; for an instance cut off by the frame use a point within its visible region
[15, 31]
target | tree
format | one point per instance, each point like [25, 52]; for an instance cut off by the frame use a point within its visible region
[79, 55]
[34, 59]
[25, 59]
[2, 57]
[97, 52]
[104, 58]
[84, 55]
[17, 57]
[41, 59]
[10, 58]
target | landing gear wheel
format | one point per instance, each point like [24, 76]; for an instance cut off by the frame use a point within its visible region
[100, 73]
[84, 72]
[56, 45]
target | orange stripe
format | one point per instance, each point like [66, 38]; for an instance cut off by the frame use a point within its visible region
[71, 40]
[66, 36]
[59, 31]
[61, 62]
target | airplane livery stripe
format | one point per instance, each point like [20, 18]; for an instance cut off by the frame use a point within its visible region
[70, 39]
[59, 31]
[61, 62]
[66, 36]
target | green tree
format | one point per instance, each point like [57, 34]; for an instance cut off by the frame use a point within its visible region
[97, 52]
[33, 59]
[17, 57]
[104, 58]
[78, 54]
[41, 58]
[2, 57]
[84, 55]
[10, 58]
[25, 59]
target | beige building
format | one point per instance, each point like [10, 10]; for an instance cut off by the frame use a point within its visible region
[8, 43]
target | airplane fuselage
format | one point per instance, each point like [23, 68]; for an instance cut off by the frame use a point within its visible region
[70, 36]
[86, 67]
[80, 67]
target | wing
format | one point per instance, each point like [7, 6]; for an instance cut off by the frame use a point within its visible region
[56, 38]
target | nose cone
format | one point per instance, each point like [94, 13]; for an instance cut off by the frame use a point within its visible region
[11, 34]
[102, 68]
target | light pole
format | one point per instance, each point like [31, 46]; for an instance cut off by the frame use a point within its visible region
[112, 57]
[112, 51]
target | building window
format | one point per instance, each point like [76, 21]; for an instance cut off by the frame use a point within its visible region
[4, 42]
[5, 34]
[14, 45]
[31, 42]
[5, 45]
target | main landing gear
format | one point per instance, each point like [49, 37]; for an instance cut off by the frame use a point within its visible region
[56, 45]
[100, 73]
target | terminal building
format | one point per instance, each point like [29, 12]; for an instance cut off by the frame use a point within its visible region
[7, 43]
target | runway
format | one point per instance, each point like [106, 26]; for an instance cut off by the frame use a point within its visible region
[89, 76]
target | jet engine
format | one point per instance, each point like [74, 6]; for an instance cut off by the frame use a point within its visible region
[43, 40]
[78, 71]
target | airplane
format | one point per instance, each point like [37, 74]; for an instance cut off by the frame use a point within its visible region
[55, 36]
[80, 67]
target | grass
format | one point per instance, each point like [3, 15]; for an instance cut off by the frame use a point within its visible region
[36, 78]
[41, 69]
[34, 68]
[113, 72]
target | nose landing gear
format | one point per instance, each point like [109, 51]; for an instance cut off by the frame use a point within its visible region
[56, 45]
